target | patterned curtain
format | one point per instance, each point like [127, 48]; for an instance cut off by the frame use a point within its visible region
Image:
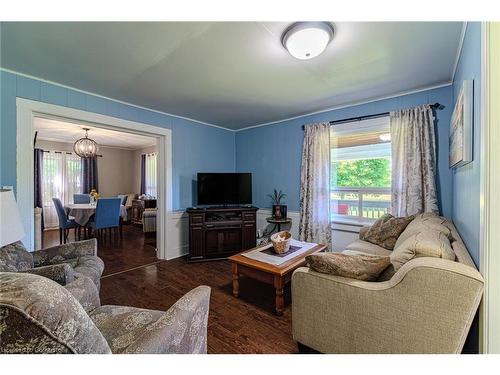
[89, 175]
[315, 185]
[143, 174]
[38, 179]
[413, 161]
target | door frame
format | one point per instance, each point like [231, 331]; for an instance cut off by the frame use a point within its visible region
[490, 185]
[27, 110]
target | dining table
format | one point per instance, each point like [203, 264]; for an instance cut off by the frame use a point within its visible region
[83, 212]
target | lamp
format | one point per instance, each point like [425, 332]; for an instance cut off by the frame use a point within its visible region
[305, 40]
[11, 226]
[86, 147]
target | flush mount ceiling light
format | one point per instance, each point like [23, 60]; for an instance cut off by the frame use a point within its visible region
[305, 40]
[86, 147]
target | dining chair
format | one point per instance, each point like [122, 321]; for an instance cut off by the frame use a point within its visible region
[123, 198]
[107, 216]
[81, 198]
[65, 224]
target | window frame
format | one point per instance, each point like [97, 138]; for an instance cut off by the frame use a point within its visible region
[356, 126]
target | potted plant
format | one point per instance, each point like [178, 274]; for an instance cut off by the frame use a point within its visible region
[279, 210]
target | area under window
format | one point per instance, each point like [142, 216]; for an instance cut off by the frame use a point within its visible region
[360, 182]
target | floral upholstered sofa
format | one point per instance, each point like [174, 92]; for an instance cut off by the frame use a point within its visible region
[37, 315]
[74, 265]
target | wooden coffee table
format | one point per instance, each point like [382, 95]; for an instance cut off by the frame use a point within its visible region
[278, 276]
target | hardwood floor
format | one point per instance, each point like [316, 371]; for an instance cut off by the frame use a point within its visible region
[133, 250]
[236, 325]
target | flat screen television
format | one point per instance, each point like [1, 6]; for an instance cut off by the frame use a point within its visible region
[224, 188]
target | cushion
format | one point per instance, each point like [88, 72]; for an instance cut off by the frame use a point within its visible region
[386, 230]
[123, 325]
[37, 315]
[14, 257]
[424, 222]
[361, 267]
[89, 266]
[429, 243]
[367, 247]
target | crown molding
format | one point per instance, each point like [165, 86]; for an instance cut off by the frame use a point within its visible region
[353, 104]
[112, 99]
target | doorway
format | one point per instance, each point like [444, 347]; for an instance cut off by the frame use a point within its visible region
[28, 110]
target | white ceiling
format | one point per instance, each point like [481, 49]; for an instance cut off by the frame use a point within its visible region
[68, 132]
[232, 74]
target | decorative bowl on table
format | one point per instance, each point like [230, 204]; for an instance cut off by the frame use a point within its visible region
[281, 241]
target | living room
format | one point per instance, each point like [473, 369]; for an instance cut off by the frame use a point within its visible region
[281, 187]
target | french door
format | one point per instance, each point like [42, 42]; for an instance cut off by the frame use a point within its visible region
[61, 178]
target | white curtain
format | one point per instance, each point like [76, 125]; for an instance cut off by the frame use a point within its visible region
[151, 160]
[61, 178]
[413, 161]
[315, 185]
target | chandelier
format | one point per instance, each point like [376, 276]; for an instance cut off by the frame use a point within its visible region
[86, 147]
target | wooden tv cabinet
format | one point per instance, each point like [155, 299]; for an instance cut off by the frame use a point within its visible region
[218, 232]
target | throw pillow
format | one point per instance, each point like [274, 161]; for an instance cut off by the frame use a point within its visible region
[386, 230]
[429, 243]
[422, 223]
[361, 267]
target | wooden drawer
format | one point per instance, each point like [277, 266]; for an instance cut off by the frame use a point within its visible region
[197, 219]
[248, 216]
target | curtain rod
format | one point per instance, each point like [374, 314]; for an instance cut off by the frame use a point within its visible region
[383, 114]
[68, 153]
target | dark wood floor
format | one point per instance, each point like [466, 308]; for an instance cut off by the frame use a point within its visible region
[236, 325]
[133, 250]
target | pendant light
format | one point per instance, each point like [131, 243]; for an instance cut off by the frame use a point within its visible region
[86, 147]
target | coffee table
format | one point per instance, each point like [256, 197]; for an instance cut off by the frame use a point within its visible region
[276, 275]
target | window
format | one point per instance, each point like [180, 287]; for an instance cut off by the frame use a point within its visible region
[61, 178]
[151, 174]
[360, 182]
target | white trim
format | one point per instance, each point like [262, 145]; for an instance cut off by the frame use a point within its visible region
[483, 195]
[353, 104]
[178, 234]
[459, 51]
[28, 109]
[114, 100]
[489, 186]
[347, 105]
[53, 140]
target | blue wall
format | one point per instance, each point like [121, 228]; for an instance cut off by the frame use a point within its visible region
[196, 147]
[466, 193]
[273, 153]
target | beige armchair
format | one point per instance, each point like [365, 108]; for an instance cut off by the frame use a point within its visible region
[426, 307]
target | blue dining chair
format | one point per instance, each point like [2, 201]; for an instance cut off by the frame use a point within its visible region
[123, 197]
[81, 198]
[107, 215]
[65, 224]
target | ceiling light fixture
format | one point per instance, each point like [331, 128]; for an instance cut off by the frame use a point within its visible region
[305, 40]
[86, 147]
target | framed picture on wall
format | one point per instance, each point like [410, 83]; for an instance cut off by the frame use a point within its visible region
[461, 126]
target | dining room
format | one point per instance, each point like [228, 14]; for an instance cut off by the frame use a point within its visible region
[98, 183]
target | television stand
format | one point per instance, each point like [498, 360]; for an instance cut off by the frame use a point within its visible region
[219, 232]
